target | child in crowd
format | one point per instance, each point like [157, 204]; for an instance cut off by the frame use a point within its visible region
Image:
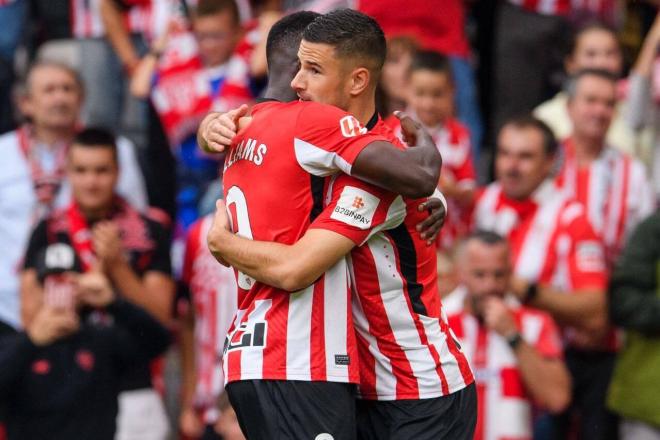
[430, 97]
[186, 75]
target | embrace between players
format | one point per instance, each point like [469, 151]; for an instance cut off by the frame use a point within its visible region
[329, 229]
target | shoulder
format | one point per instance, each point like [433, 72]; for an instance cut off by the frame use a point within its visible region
[11, 153]
[457, 130]
[549, 107]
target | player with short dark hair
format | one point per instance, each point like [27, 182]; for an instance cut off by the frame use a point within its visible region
[397, 313]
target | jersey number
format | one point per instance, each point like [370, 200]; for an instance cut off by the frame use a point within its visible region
[241, 226]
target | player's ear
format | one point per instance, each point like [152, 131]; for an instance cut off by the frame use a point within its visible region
[360, 78]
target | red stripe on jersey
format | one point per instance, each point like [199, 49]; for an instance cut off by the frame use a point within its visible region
[463, 364]
[277, 317]
[367, 367]
[317, 339]
[480, 363]
[512, 385]
[380, 328]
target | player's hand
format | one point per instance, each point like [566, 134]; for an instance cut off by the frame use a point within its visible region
[218, 231]
[430, 228]
[52, 323]
[94, 290]
[217, 130]
[411, 130]
[498, 318]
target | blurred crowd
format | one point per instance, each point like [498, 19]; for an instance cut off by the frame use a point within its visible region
[546, 113]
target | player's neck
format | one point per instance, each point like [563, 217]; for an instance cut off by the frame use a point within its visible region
[363, 110]
[587, 149]
[51, 135]
[280, 89]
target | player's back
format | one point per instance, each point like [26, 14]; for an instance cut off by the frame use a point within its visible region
[273, 184]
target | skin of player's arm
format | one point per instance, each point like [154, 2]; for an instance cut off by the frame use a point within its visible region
[546, 380]
[413, 172]
[31, 295]
[118, 35]
[585, 310]
[287, 267]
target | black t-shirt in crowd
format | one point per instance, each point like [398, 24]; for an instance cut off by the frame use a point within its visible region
[68, 389]
[151, 253]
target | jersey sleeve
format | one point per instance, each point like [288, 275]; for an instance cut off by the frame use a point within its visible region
[585, 260]
[548, 343]
[358, 210]
[328, 140]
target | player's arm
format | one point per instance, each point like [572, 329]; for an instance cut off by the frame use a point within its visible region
[288, 267]
[413, 172]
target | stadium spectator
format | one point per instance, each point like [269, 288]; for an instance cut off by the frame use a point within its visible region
[441, 30]
[32, 177]
[431, 101]
[558, 261]
[515, 351]
[635, 306]
[204, 67]
[61, 376]
[211, 289]
[131, 250]
[643, 101]
[529, 40]
[612, 186]
[595, 46]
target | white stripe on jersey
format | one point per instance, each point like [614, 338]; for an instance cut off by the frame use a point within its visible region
[317, 161]
[335, 305]
[298, 334]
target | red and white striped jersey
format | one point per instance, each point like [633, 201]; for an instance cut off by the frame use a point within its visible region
[86, 19]
[546, 7]
[551, 239]
[213, 293]
[504, 407]
[274, 190]
[614, 190]
[453, 141]
[405, 346]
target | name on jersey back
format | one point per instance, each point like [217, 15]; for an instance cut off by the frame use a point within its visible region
[247, 149]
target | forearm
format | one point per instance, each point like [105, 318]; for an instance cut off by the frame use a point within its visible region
[413, 172]
[584, 310]
[133, 289]
[117, 34]
[141, 81]
[547, 382]
[266, 262]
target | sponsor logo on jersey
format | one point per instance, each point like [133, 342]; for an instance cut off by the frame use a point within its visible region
[350, 127]
[589, 256]
[355, 207]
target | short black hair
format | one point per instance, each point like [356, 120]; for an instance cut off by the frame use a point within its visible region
[431, 60]
[287, 33]
[96, 137]
[550, 144]
[212, 7]
[570, 87]
[352, 34]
